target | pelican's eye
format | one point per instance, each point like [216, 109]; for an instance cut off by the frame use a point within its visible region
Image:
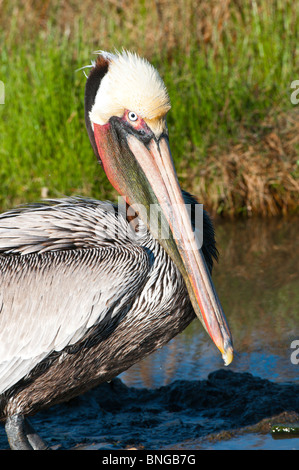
[132, 116]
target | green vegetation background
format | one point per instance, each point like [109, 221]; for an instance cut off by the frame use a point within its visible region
[228, 66]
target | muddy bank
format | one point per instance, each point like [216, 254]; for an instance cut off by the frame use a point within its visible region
[114, 416]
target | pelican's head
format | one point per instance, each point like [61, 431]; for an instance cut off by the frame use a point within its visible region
[134, 86]
[126, 103]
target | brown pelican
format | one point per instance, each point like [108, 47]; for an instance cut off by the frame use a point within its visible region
[86, 289]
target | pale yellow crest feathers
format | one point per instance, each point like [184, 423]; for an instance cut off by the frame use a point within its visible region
[131, 83]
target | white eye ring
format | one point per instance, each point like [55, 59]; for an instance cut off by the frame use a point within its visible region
[132, 116]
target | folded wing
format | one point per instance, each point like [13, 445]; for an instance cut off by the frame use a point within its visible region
[51, 296]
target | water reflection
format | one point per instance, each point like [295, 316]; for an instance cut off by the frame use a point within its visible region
[257, 279]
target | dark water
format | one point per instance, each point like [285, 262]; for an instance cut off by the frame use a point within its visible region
[182, 397]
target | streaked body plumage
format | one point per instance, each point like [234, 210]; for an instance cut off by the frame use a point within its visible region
[110, 300]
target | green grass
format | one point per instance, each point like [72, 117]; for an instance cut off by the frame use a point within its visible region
[249, 77]
[232, 81]
[43, 139]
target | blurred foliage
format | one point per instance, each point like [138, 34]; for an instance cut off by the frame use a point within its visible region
[228, 66]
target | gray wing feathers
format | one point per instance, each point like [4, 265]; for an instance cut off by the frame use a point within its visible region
[50, 299]
[61, 224]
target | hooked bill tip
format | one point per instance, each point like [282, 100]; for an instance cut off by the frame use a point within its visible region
[228, 356]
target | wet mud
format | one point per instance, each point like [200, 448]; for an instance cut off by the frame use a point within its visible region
[184, 414]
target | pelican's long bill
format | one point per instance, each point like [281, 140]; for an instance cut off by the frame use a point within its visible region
[139, 165]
